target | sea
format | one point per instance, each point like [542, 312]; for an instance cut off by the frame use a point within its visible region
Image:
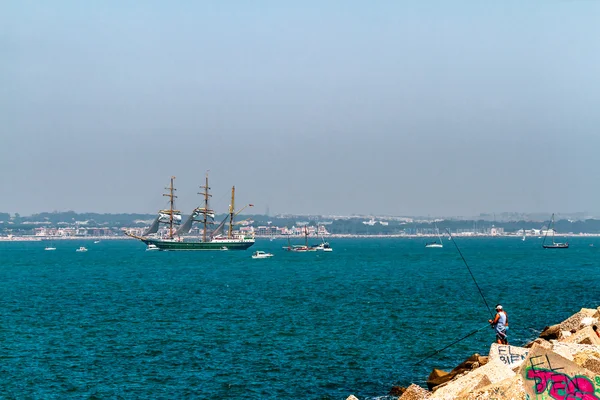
[119, 322]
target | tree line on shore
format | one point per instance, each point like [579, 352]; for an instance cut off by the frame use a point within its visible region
[348, 225]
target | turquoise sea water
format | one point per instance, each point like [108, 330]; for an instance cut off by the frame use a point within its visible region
[120, 322]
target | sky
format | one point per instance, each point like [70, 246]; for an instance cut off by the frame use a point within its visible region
[440, 108]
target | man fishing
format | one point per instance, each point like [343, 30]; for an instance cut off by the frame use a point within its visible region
[500, 325]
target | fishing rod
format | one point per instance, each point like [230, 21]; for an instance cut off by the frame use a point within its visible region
[482, 296]
[452, 344]
[472, 276]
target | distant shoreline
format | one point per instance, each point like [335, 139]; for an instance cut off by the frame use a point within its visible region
[294, 238]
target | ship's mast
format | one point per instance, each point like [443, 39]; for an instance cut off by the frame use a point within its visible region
[231, 212]
[172, 197]
[206, 211]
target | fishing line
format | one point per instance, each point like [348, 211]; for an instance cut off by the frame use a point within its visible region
[472, 276]
[482, 296]
[451, 344]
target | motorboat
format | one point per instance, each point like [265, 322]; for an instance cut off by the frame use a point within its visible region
[434, 244]
[50, 248]
[81, 249]
[323, 247]
[261, 254]
[152, 247]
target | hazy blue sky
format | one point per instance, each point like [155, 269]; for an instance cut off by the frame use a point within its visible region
[336, 107]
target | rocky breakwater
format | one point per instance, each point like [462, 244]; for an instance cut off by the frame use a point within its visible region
[563, 363]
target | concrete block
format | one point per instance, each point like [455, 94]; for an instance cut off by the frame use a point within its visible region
[574, 321]
[507, 389]
[569, 350]
[415, 392]
[492, 371]
[511, 356]
[583, 336]
[546, 374]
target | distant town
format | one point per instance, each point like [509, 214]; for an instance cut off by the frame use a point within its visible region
[72, 225]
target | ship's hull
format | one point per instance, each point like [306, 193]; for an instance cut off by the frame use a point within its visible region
[217, 245]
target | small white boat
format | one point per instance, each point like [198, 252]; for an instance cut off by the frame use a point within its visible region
[323, 247]
[50, 248]
[81, 249]
[96, 241]
[152, 247]
[434, 244]
[261, 254]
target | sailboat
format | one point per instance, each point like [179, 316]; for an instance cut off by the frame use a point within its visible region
[436, 244]
[210, 239]
[523, 239]
[300, 248]
[554, 245]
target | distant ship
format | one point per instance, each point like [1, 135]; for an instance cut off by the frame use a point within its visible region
[210, 240]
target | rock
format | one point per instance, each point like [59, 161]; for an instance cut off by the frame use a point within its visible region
[397, 391]
[540, 342]
[438, 377]
[551, 332]
[490, 373]
[415, 392]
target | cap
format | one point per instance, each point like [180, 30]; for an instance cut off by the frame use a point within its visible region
[498, 307]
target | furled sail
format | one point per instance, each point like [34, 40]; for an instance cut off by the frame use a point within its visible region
[153, 228]
[165, 217]
[219, 228]
[187, 225]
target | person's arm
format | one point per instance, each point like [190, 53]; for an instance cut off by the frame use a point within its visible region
[495, 319]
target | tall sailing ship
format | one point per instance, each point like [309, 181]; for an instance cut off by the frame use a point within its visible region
[211, 239]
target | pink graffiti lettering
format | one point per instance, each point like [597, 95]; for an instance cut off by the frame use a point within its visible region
[562, 386]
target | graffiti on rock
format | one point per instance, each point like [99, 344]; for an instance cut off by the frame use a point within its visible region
[507, 357]
[558, 385]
